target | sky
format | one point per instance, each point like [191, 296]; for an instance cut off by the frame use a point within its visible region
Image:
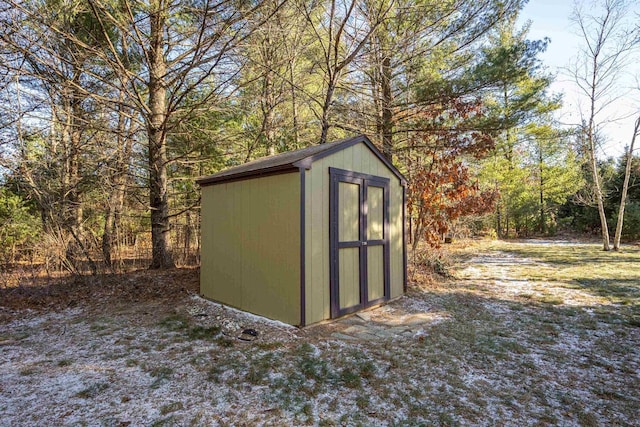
[551, 18]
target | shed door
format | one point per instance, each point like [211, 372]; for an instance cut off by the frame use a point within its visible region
[359, 240]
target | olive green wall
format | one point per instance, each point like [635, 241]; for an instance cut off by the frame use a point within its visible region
[250, 256]
[357, 158]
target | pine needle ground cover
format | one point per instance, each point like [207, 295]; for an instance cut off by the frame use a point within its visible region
[523, 333]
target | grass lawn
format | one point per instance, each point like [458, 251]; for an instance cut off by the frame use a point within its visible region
[524, 333]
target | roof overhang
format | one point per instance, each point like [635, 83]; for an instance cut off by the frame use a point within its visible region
[276, 170]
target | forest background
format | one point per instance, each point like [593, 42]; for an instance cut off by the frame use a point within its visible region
[112, 108]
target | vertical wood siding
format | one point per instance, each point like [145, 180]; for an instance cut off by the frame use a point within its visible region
[250, 255]
[375, 215]
[349, 277]
[375, 272]
[349, 214]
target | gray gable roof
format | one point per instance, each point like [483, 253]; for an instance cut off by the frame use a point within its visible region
[292, 160]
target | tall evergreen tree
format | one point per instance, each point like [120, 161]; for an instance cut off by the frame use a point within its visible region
[520, 105]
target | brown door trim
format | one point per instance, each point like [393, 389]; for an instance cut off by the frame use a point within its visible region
[364, 181]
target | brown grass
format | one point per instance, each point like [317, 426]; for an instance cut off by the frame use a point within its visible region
[54, 294]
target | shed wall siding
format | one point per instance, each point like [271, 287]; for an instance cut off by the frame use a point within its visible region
[250, 255]
[357, 158]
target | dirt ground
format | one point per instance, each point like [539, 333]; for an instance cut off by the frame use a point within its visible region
[523, 333]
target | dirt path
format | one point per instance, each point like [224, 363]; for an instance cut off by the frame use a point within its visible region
[508, 275]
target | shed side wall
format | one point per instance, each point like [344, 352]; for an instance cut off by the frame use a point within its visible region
[357, 158]
[250, 255]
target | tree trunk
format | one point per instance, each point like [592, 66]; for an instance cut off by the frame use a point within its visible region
[294, 104]
[542, 225]
[376, 87]
[124, 138]
[75, 204]
[597, 190]
[188, 232]
[156, 129]
[387, 109]
[591, 148]
[71, 220]
[509, 157]
[109, 232]
[71, 215]
[625, 188]
[506, 222]
[268, 105]
[118, 190]
[328, 99]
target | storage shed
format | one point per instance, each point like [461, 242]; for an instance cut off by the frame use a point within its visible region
[306, 235]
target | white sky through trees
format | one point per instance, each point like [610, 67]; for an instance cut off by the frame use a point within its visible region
[551, 18]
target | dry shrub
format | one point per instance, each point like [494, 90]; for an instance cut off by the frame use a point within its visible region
[428, 265]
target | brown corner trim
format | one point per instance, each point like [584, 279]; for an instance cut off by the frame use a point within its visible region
[404, 238]
[303, 240]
